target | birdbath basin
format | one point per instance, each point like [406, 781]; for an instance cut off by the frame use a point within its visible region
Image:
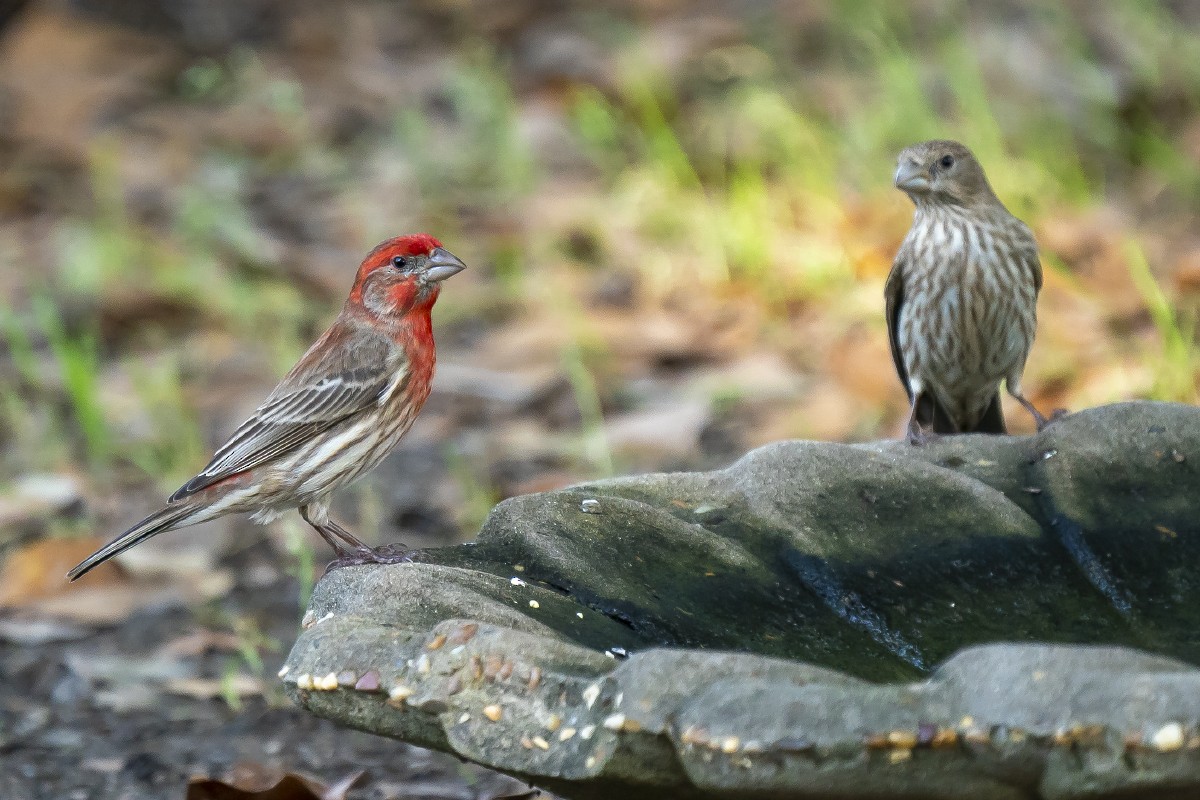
[981, 617]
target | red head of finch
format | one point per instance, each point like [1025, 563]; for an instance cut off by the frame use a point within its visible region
[334, 416]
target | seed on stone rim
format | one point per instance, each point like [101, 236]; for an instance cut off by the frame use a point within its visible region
[526, 742]
[540, 743]
[587, 731]
[454, 686]
[327, 683]
[464, 719]
[304, 681]
[554, 723]
[284, 670]
[565, 733]
[907, 739]
[534, 604]
[1168, 738]
[493, 712]
[399, 693]
[730, 744]
[423, 665]
[590, 694]
[347, 678]
[615, 722]
[535, 677]
[590, 763]
[369, 682]
[437, 642]
[506, 670]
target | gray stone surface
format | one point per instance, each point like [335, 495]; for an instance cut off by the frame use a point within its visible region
[983, 617]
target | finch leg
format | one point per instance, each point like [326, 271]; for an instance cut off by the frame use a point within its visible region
[356, 544]
[351, 550]
[1041, 420]
[365, 554]
[337, 536]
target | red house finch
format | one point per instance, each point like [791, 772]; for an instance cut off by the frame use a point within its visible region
[961, 296]
[334, 416]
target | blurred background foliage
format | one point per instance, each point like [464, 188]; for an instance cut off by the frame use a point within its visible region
[678, 218]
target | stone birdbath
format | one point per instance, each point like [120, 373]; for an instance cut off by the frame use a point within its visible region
[983, 617]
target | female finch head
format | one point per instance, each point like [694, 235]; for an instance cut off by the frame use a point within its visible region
[403, 274]
[942, 172]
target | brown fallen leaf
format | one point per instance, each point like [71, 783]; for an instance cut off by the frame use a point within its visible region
[248, 779]
[39, 570]
[33, 582]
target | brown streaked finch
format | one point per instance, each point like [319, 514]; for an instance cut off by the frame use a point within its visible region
[961, 296]
[334, 416]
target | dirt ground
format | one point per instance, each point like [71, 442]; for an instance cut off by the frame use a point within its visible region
[93, 717]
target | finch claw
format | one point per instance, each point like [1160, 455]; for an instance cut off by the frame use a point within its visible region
[384, 554]
[919, 437]
[1055, 416]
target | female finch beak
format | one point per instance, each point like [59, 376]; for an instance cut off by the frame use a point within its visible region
[442, 264]
[909, 177]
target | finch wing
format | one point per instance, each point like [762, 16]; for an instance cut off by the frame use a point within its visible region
[328, 385]
[1035, 267]
[893, 292]
[1028, 250]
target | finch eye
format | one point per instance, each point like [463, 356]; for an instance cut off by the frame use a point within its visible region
[947, 162]
[399, 262]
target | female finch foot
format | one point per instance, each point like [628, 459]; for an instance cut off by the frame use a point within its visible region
[1055, 416]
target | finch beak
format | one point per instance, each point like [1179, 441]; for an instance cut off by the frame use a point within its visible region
[909, 177]
[443, 264]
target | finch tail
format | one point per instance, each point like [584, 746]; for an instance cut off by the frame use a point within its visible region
[992, 420]
[164, 520]
[932, 416]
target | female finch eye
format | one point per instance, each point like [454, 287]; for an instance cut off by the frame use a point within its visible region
[947, 162]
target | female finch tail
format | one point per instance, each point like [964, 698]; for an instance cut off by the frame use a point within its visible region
[158, 522]
[933, 417]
